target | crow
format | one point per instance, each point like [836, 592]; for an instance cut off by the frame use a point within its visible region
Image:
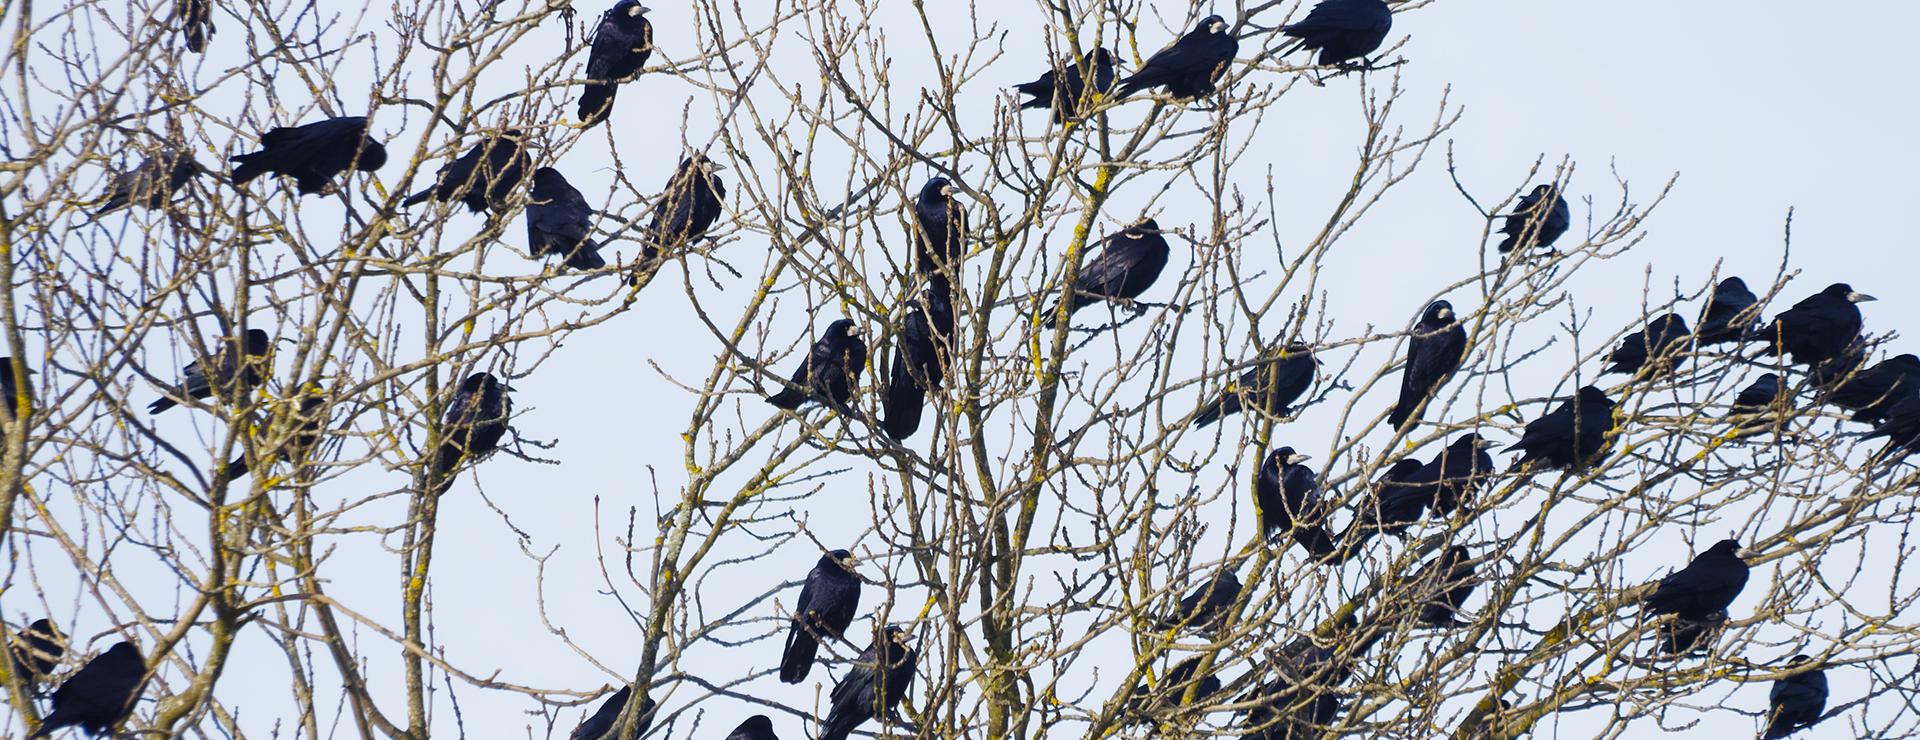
[1342, 30]
[313, 154]
[559, 222]
[596, 726]
[1387, 507]
[476, 420]
[1760, 395]
[1663, 335]
[142, 187]
[1901, 426]
[831, 372]
[1270, 387]
[621, 46]
[1149, 699]
[827, 604]
[100, 694]
[1304, 689]
[1460, 470]
[1823, 327]
[1434, 352]
[691, 203]
[1127, 265]
[1287, 493]
[1730, 314]
[1534, 223]
[1796, 701]
[1707, 585]
[757, 727]
[485, 177]
[920, 356]
[940, 239]
[1443, 585]
[1191, 66]
[1570, 437]
[1201, 608]
[306, 433]
[1872, 392]
[227, 368]
[36, 651]
[1063, 89]
[1689, 636]
[880, 678]
[196, 23]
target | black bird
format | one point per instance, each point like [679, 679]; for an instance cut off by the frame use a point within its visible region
[941, 239]
[1270, 387]
[1201, 608]
[757, 727]
[1759, 396]
[198, 385]
[1342, 29]
[1872, 392]
[196, 23]
[827, 604]
[1730, 313]
[831, 372]
[880, 678]
[1689, 636]
[596, 726]
[100, 694]
[1707, 585]
[306, 433]
[691, 203]
[1825, 326]
[11, 389]
[621, 46]
[1572, 435]
[1191, 66]
[920, 357]
[313, 154]
[476, 420]
[1444, 584]
[1127, 265]
[1901, 426]
[1173, 686]
[1535, 223]
[36, 650]
[1063, 89]
[1387, 507]
[559, 221]
[1434, 353]
[1460, 470]
[1287, 492]
[1663, 335]
[1303, 691]
[485, 177]
[142, 187]
[1796, 701]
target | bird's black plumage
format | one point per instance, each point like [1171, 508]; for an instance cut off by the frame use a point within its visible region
[880, 678]
[196, 23]
[1191, 66]
[485, 177]
[1901, 426]
[920, 356]
[1342, 29]
[1537, 220]
[1758, 396]
[1823, 327]
[940, 236]
[827, 604]
[596, 726]
[1205, 604]
[1303, 691]
[1688, 636]
[1387, 507]
[621, 45]
[1872, 392]
[1572, 435]
[757, 727]
[228, 366]
[1797, 701]
[36, 650]
[1460, 470]
[1173, 687]
[1127, 265]
[692, 202]
[143, 186]
[306, 433]
[1659, 343]
[1443, 585]
[100, 694]
[1062, 89]
[831, 372]
[1709, 584]
[1287, 493]
[313, 154]
[476, 420]
[1270, 387]
[1730, 313]
[1434, 352]
[559, 222]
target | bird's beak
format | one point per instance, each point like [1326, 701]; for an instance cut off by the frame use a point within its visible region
[717, 167]
[639, 10]
[1485, 444]
[1858, 297]
[1298, 458]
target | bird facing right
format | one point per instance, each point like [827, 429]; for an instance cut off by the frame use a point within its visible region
[476, 420]
[921, 352]
[1287, 493]
[227, 368]
[485, 177]
[827, 604]
[1708, 584]
[1822, 327]
[1342, 29]
[1730, 313]
[1797, 701]
[621, 44]
[1270, 388]
[757, 727]
[692, 202]
[100, 694]
[1062, 89]
[313, 154]
[143, 185]
[596, 726]
[1536, 221]
[36, 650]
[1656, 346]
[1434, 352]
[1572, 436]
[880, 678]
[1127, 265]
[559, 222]
[1192, 66]
[831, 371]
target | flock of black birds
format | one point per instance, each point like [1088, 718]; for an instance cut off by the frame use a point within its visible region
[1822, 332]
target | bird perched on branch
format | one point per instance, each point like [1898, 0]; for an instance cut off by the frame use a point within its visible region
[152, 184]
[827, 604]
[1871, 393]
[1572, 436]
[831, 372]
[1797, 701]
[1270, 387]
[306, 433]
[196, 23]
[1825, 326]
[1342, 30]
[1537, 220]
[99, 695]
[920, 355]
[621, 44]
[485, 177]
[36, 651]
[1663, 335]
[1708, 584]
[1434, 352]
[227, 367]
[1444, 584]
[1730, 313]
[1192, 66]
[1201, 608]
[757, 727]
[596, 726]
[692, 202]
[313, 154]
[1064, 89]
[1287, 493]
[940, 239]
[476, 420]
[1127, 265]
[880, 678]
[559, 222]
